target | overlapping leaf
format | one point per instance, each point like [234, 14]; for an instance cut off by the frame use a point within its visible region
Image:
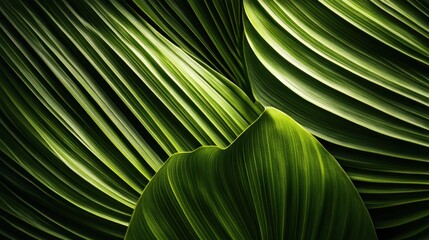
[210, 30]
[363, 90]
[274, 182]
[93, 100]
[355, 75]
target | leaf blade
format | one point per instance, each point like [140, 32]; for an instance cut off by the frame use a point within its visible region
[274, 182]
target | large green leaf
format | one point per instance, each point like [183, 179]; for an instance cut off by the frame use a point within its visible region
[356, 75]
[93, 100]
[276, 181]
[209, 30]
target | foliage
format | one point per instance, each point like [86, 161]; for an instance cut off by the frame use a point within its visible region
[274, 182]
[96, 95]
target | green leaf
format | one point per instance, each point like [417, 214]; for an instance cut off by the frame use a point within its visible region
[96, 95]
[211, 31]
[401, 25]
[275, 181]
[355, 74]
[93, 100]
